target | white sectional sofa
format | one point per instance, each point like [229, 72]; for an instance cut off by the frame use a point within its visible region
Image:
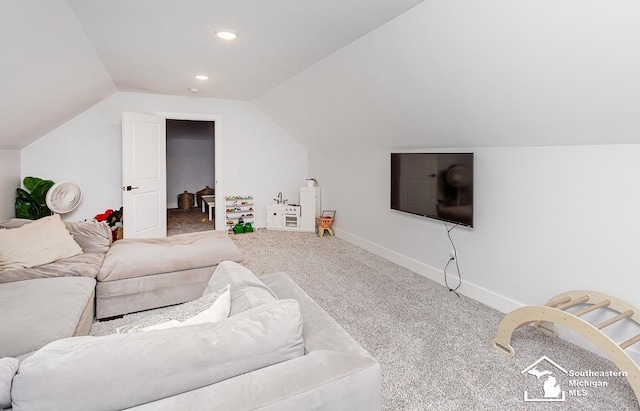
[278, 350]
[47, 302]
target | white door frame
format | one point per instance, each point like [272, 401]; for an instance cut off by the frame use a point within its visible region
[219, 187]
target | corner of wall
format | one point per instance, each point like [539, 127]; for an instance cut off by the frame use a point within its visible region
[9, 181]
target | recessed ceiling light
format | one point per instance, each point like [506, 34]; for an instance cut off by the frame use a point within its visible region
[194, 90]
[201, 77]
[224, 34]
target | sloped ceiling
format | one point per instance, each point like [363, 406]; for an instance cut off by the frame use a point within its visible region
[49, 70]
[60, 57]
[462, 73]
[400, 73]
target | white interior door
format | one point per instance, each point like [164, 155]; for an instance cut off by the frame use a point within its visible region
[144, 197]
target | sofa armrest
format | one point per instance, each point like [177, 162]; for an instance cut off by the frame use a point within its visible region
[322, 380]
[139, 257]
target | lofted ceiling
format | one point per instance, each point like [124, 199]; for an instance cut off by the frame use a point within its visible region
[61, 57]
[462, 73]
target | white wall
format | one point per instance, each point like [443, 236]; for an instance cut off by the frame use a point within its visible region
[543, 92]
[259, 158]
[9, 181]
[190, 158]
[546, 220]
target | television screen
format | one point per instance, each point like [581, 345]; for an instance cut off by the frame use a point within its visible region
[435, 185]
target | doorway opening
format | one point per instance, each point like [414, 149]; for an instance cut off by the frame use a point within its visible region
[191, 174]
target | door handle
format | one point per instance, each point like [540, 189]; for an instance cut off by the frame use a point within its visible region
[129, 188]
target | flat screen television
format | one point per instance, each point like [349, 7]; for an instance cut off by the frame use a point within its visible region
[434, 185]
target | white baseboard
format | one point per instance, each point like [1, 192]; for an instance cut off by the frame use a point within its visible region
[488, 297]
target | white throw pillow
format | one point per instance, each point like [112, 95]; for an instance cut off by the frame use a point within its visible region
[41, 242]
[219, 310]
[212, 307]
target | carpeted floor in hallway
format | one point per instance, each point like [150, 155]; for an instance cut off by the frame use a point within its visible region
[181, 221]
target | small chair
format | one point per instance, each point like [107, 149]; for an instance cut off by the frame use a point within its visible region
[324, 222]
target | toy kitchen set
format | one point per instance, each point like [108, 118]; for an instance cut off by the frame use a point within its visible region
[296, 217]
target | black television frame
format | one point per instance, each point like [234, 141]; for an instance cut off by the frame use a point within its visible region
[443, 180]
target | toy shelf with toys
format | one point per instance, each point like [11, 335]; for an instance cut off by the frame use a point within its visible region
[239, 213]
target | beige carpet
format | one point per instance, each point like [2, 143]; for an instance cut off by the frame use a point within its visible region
[434, 347]
[187, 221]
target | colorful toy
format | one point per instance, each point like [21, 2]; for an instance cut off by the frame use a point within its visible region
[104, 216]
